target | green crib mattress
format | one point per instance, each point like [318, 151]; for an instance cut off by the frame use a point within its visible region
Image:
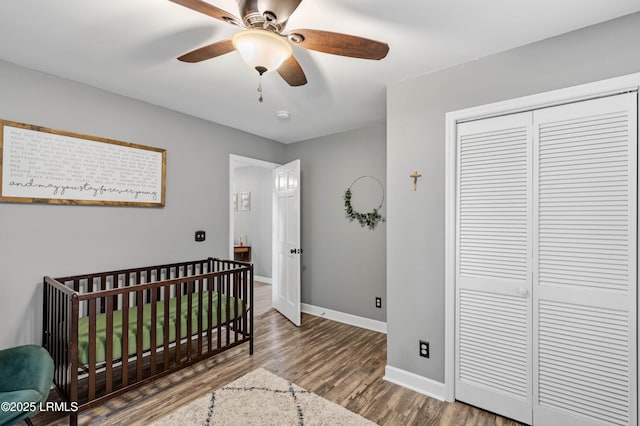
[101, 325]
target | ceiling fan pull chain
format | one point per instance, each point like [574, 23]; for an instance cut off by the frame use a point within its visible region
[260, 98]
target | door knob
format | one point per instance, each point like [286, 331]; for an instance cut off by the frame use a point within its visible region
[522, 292]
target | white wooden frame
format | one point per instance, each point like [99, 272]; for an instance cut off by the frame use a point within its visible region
[611, 86]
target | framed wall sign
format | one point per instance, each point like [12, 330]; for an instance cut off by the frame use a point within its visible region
[41, 165]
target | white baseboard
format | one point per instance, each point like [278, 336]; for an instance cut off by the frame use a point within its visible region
[415, 382]
[369, 324]
[262, 279]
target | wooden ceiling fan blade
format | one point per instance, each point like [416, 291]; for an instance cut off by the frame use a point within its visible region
[207, 52]
[340, 44]
[208, 9]
[292, 72]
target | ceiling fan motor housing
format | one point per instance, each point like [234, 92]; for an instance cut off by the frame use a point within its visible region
[266, 21]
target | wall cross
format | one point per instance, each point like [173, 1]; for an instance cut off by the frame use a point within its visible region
[415, 175]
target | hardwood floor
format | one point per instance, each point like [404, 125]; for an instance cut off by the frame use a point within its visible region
[341, 363]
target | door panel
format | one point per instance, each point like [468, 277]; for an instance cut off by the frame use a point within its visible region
[286, 224]
[585, 257]
[493, 314]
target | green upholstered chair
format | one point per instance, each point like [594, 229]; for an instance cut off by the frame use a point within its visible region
[26, 373]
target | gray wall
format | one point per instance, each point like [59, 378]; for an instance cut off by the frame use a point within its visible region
[42, 239]
[255, 224]
[343, 264]
[416, 140]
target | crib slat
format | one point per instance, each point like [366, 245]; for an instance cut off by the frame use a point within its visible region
[92, 348]
[210, 290]
[72, 344]
[219, 281]
[89, 290]
[189, 321]
[68, 338]
[243, 319]
[59, 355]
[199, 328]
[116, 284]
[69, 311]
[57, 330]
[46, 312]
[103, 286]
[139, 337]
[53, 309]
[125, 333]
[109, 346]
[235, 322]
[49, 295]
[153, 331]
[59, 317]
[178, 322]
[227, 293]
[167, 324]
[251, 312]
[147, 279]
[55, 315]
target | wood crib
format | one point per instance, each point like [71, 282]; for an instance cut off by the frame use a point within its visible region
[99, 328]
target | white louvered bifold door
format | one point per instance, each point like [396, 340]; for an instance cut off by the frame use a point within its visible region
[585, 199]
[493, 272]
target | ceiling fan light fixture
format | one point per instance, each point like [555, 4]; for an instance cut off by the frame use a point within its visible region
[263, 50]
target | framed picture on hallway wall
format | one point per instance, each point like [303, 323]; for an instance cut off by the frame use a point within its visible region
[245, 201]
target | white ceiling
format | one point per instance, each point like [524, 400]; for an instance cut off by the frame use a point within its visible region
[129, 47]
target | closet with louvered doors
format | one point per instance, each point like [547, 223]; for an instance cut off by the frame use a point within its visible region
[546, 260]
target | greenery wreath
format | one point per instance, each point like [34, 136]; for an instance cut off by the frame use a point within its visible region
[370, 219]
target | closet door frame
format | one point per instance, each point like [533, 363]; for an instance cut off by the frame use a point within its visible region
[607, 87]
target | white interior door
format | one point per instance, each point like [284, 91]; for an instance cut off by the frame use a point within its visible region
[493, 272]
[585, 289]
[286, 241]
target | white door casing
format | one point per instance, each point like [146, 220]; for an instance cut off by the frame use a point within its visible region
[286, 241]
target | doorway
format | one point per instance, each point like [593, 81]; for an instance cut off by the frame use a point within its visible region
[250, 213]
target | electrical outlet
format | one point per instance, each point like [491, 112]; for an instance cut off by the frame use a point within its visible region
[200, 236]
[378, 302]
[424, 349]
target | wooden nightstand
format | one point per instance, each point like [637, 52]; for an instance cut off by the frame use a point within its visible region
[242, 253]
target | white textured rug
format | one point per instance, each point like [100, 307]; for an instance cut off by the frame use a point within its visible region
[262, 398]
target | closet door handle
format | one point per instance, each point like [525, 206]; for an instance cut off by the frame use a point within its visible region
[522, 292]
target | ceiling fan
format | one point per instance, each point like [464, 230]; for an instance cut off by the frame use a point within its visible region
[265, 47]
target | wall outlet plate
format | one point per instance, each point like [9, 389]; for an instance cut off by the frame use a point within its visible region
[424, 349]
[200, 235]
[378, 302]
